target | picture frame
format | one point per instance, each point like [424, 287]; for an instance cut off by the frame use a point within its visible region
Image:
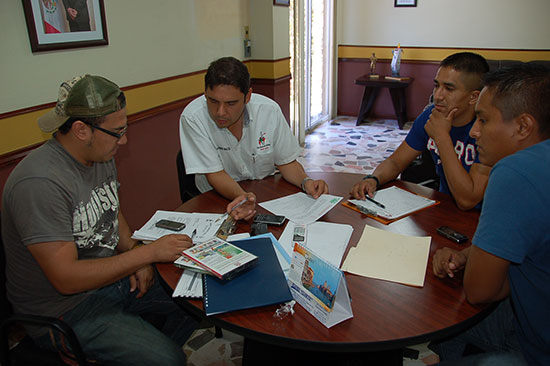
[281, 2]
[404, 3]
[52, 27]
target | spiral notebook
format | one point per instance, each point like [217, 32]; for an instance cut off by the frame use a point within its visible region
[261, 285]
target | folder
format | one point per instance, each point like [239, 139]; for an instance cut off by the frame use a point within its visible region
[261, 285]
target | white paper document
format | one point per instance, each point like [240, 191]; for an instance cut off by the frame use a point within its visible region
[302, 208]
[326, 239]
[204, 225]
[397, 203]
[389, 256]
[189, 285]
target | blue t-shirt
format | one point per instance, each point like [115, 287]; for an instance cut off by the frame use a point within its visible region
[465, 146]
[514, 226]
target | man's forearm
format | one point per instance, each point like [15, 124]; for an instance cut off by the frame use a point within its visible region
[225, 185]
[77, 275]
[460, 182]
[386, 171]
[293, 173]
[125, 242]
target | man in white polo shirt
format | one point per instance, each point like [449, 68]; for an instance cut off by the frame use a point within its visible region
[231, 134]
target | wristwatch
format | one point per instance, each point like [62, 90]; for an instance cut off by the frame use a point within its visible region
[303, 185]
[370, 176]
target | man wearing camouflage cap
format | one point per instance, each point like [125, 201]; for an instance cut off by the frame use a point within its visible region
[68, 246]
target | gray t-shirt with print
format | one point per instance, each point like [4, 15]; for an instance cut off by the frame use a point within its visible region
[49, 197]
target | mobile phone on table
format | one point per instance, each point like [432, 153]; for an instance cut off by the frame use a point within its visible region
[269, 219]
[452, 234]
[170, 225]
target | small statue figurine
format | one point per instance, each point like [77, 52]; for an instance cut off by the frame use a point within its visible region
[373, 63]
[373, 59]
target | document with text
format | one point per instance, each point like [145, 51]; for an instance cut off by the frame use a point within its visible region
[302, 208]
[393, 203]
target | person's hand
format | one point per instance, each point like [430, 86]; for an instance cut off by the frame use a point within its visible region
[316, 188]
[169, 247]
[72, 13]
[447, 261]
[142, 280]
[439, 125]
[359, 189]
[245, 211]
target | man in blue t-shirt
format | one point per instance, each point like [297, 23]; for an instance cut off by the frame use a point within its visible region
[509, 257]
[443, 129]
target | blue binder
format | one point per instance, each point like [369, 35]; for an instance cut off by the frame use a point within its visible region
[263, 284]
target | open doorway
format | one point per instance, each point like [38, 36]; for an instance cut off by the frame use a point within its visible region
[312, 54]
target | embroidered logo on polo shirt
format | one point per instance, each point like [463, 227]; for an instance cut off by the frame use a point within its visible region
[263, 144]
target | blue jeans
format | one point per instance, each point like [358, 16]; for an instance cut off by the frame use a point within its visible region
[495, 335]
[110, 330]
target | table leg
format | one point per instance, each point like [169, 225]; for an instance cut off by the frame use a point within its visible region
[399, 105]
[369, 95]
[258, 353]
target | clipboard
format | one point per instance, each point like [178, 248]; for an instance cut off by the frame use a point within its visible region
[373, 214]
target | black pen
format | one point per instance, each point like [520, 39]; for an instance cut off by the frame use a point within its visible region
[375, 202]
[193, 234]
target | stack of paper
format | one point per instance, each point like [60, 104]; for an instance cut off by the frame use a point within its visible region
[203, 225]
[327, 240]
[388, 256]
[301, 208]
[189, 285]
[393, 203]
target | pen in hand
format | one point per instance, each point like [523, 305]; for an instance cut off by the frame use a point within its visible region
[375, 202]
[224, 216]
[193, 234]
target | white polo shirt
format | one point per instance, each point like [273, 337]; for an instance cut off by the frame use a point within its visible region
[266, 142]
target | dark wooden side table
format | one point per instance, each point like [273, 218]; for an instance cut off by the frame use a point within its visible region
[372, 88]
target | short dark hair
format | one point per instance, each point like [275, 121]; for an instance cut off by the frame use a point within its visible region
[469, 63]
[228, 71]
[522, 88]
[94, 121]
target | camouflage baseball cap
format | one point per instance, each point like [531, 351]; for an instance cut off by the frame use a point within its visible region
[82, 97]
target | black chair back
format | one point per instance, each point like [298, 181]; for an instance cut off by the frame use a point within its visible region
[188, 188]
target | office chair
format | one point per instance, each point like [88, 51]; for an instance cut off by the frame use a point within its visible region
[422, 171]
[188, 188]
[26, 352]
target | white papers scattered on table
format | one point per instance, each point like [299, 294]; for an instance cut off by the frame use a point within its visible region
[389, 256]
[398, 202]
[301, 208]
[205, 224]
[327, 240]
[189, 285]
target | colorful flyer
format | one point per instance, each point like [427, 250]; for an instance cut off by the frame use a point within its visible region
[319, 287]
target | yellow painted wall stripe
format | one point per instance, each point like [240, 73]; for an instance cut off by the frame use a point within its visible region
[438, 54]
[20, 131]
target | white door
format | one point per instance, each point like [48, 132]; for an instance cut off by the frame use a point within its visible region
[312, 63]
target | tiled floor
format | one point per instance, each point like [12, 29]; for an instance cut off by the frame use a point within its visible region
[337, 146]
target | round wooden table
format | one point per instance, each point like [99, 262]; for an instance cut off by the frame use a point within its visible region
[387, 315]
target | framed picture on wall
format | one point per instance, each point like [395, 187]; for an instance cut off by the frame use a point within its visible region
[281, 2]
[61, 24]
[398, 3]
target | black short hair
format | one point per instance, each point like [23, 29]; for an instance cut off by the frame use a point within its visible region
[468, 63]
[522, 88]
[228, 71]
[94, 121]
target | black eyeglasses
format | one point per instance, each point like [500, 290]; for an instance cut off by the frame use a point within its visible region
[114, 134]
